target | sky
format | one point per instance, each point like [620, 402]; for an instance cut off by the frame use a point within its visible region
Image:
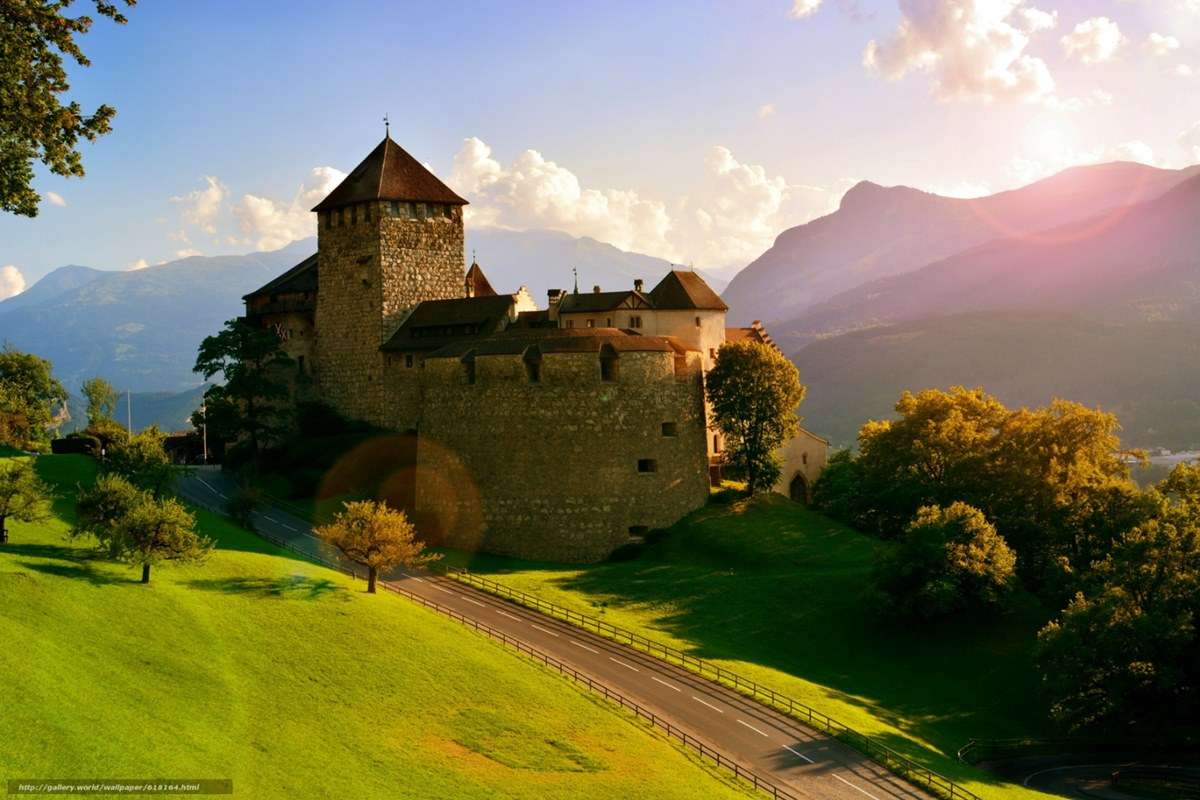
[694, 131]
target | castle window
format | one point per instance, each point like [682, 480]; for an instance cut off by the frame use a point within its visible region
[647, 465]
[420, 207]
[468, 367]
[533, 364]
[367, 212]
[608, 363]
[591, 323]
[635, 322]
[670, 429]
[712, 354]
[804, 458]
[697, 322]
[570, 323]
[393, 208]
[408, 360]
[637, 533]
[716, 443]
[608, 322]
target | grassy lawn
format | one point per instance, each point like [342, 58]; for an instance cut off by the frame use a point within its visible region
[775, 592]
[289, 679]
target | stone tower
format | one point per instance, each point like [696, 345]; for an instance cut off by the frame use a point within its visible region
[389, 237]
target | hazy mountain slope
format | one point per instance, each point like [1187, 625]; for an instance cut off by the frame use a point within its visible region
[51, 285]
[1145, 372]
[879, 232]
[1140, 262]
[170, 411]
[542, 259]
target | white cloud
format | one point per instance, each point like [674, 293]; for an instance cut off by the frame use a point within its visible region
[141, 263]
[270, 224]
[199, 207]
[804, 8]
[1189, 140]
[1160, 45]
[971, 49]
[187, 252]
[1094, 40]
[734, 215]
[766, 110]
[1184, 70]
[55, 199]
[12, 282]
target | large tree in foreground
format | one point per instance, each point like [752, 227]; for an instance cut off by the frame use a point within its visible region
[35, 35]
[754, 391]
[377, 537]
[23, 495]
[156, 532]
[248, 403]
[100, 508]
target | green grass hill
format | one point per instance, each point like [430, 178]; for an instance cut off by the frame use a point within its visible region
[289, 679]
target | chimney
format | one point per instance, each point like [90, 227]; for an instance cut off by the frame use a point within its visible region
[595, 290]
[554, 295]
[638, 283]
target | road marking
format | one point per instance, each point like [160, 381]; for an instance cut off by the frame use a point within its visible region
[623, 664]
[710, 705]
[440, 589]
[584, 646]
[211, 489]
[751, 727]
[472, 600]
[506, 614]
[268, 519]
[289, 527]
[543, 630]
[412, 577]
[852, 786]
[664, 683]
[798, 754]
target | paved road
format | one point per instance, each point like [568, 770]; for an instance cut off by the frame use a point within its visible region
[803, 761]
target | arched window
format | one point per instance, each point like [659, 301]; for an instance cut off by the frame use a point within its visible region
[533, 363]
[608, 363]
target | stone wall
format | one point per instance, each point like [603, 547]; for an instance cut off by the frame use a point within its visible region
[550, 470]
[378, 261]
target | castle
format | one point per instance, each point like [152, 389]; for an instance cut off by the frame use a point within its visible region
[559, 433]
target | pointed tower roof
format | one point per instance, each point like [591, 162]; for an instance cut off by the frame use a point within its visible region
[685, 290]
[477, 283]
[389, 173]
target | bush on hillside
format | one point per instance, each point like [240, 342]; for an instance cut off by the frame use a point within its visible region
[949, 559]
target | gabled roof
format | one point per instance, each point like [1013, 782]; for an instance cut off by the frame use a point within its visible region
[300, 278]
[477, 283]
[436, 323]
[685, 290]
[389, 173]
[580, 302]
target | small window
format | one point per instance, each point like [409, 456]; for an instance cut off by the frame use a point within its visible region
[635, 322]
[670, 429]
[341, 214]
[712, 354]
[804, 458]
[637, 533]
[533, 364]
[353, 215]
[591, 323]
[367, 212]
[716, 443]
[608, 363]
[697, 322]
[408, 360]
[608, 322]
[570, 323]
[647, 465]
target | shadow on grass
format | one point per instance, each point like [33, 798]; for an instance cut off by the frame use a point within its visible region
[82, 571]
[77, 562]
[288, 587]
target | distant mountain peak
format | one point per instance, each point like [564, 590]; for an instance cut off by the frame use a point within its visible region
[868, 196]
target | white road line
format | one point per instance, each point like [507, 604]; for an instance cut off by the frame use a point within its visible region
[543, 630]
[664, 683]
[751, 727]
[211, 489]
[710, 705]
[852, 786]
[798, 754]
[623, 664]
[506, 614]
[268, 519]
[472, 600]
[584, 646]
[289, 527]
[440, 589]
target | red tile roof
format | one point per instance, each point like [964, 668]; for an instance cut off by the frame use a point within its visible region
[389, 173]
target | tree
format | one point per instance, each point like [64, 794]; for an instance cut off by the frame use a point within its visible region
[101, 401]
[34, 125]
[754, 391]
[377, 537]
[101, 507]
[949, 559]
[158, 531]
[143, 461]
[29, 395]
[1125, 655]
[23, 495]
[252, 363]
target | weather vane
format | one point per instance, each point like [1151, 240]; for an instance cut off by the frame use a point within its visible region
[387, 131]
[575, 272]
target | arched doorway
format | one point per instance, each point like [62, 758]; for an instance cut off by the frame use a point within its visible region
[798, 489]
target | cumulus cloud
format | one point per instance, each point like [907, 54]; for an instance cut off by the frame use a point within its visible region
[766, 110]
[141, 263]
[1094, 40]
[1189, 140]
[970, 49]
[804, 8]
[199, 207]
[733, 216]
[12, 282]
[55, 199]
[269, 224]
[187, 252]
[1184, 70]
[1160, 45]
